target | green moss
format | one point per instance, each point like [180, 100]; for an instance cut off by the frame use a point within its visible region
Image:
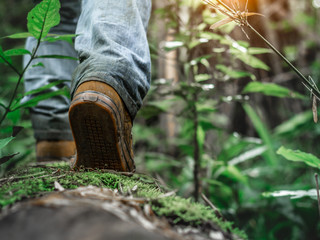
[31, 182]
[186, 212]
[34, 181]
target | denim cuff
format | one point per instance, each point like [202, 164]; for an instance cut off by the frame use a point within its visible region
[49, 128]
[119, 77]
[53, 135]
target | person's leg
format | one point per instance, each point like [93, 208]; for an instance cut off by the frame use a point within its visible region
[50, 117]
[113, 48]
[111, 81]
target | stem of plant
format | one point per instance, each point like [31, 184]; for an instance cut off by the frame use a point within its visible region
[7, 109]
[196, 153]
[10, 65]
[23, 71]
[194, 116]
[317, 183]
[225, 5]
[305, 81]
[216, 210]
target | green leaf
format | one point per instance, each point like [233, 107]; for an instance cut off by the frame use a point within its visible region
[202, 77]
[225, 28]
[271, 89]
[207, 125]
[234, 73]
[263, 133]
[232, 147]
[210, 36]
[244, 44]
[196, 42]
[54, 37]
[250, 60]
[212, 181]
[4, 58]
[190, 3]
[165, 105]
[17, 52]
[37, 91]
[186, 149]
[203, 60]
[206, 107]
[298, 156]
[19, 35]
[46, 87]
[235, 174]
[156, 162]
[243, 55]
[43, 17]
[254, 50]
[5, 141]
[201, 136]
[7, 158]
[2, 105]
[14, 116]
[34, 101]
[172, 45]
[219, 50]
[39, 64]
[253, 153]
[312, 193]
[57, 56]
[294, 123]
[291, 52]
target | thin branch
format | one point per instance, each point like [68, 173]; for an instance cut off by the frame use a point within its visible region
[305, 81]
[229, 12]
[317, 183]
[3, 106]
[10, 65]
[196, 150]
[214, 208]
[225, 6]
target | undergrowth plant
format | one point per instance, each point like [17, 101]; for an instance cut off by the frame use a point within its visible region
[233, 14]
[195, 101]
[40, 20]
[203, 156]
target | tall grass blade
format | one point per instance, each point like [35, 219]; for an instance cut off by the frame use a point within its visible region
[263, 133]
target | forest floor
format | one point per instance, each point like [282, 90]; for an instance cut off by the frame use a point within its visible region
[50, 201]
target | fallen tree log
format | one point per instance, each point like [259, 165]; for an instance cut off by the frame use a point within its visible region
[53, 202]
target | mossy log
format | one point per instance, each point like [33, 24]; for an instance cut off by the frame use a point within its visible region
[51, 200]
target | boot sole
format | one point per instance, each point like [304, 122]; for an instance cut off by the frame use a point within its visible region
[96, 125]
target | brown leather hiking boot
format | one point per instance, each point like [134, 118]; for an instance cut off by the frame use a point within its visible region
[55, 150]
[101, 127]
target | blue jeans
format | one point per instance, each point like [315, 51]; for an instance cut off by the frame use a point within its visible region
[112, 47]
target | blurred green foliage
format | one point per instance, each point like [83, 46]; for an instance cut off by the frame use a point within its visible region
[241, 173]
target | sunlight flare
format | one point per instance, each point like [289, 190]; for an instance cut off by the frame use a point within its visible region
[235, 10]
